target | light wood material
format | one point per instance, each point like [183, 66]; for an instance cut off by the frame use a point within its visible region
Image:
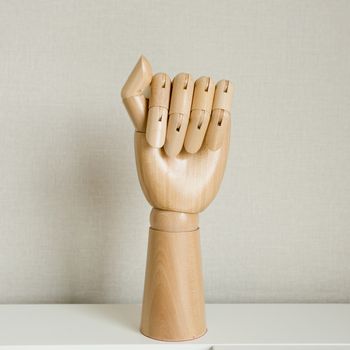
[180, 165]
[179, 113]
[173, 302]
[133, 93]
[220, 117]
[203, 95]
[223, 95]
[218, 127]
[173, 221]
[200, 114]
[157, 120]
[186, 183]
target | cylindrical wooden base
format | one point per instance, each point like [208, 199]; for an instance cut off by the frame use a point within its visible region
[173, 302]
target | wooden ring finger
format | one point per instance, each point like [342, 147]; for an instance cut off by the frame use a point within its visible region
[200, 114]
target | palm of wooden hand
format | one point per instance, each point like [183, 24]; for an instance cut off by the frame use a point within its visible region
[186, 183]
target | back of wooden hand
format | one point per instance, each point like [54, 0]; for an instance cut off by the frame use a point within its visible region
[181, 139]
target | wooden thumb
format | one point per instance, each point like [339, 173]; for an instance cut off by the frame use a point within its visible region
[132, 93]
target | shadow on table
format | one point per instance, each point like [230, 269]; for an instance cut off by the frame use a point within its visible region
[124, 316]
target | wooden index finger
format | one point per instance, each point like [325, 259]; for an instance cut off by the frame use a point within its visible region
[158, 110]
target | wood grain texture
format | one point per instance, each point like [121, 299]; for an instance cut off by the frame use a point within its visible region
[173, 221]
[173, 302]
[157, 119]
[179, 181]
[186, 183]
[133, 93]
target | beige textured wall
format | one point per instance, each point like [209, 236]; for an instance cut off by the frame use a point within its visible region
[73, 220]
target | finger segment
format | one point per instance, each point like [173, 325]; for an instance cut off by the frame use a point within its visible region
[132, 93]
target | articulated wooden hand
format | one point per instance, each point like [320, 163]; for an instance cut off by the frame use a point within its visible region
[181, 146]
[181, 151]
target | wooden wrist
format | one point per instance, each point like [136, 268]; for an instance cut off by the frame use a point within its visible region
[173, 301]
[173, 221]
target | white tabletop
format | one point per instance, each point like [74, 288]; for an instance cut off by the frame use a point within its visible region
[116, 326]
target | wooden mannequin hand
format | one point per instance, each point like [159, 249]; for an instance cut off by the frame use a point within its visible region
[181, 145]
[181, 150]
